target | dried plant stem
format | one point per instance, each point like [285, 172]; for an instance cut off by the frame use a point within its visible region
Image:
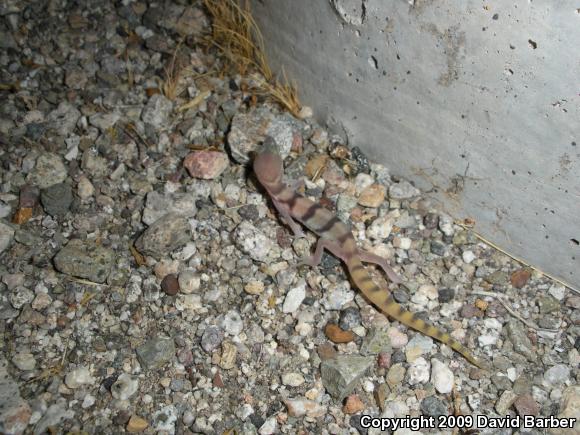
[510, 310]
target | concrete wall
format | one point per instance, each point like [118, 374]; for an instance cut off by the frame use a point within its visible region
[478, 101]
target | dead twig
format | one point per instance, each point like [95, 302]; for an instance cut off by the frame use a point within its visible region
[510, 310]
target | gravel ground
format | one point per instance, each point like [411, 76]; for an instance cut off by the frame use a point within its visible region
[147, 284]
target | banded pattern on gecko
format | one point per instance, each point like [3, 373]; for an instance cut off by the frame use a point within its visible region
[336, 237]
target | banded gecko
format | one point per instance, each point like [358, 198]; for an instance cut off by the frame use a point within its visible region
[337, 238]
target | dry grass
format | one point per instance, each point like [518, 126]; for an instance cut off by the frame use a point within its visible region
[236, 34]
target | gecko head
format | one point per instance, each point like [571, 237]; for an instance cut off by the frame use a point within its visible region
[268, 168]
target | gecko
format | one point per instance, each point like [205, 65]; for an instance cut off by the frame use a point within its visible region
[336, 237]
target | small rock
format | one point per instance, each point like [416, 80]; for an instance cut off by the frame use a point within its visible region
[157, 111]
[397, 338]
[432, 406]
[292, 379]
[206, 165]
[353, 404]
[252, 241]
[548, 304]
[520, 277]
[20, 296]
[557, 375]
[156, 352]
[402, 242]
[85, 188]
[189, 281]
[170, 285]
[522, 343]
[136, 424]
[338, 297]
[64, 118]
[341, 374]
[419, 345]
[14, 411]
[498, 278]
[395, 375]
[78, 377]
[569, 408]
[505, 402]
[558, 292]
[164, 236]
[445, 295]
[446, 225]
[403, 190]
[381, 227]
[418, 372]
[438, 248]
[431, 221]
[441, 377]
[165, 419]
[269, 427]
[254, 287]
[338, 335]
[232, 323]
[228, 357]
[248, 129]
[124, 387]
[372, 196]
[299, 407]
[294, 298]
[526, 405]
[212, 338]
[376, 341]
[158, 205]
[49, 170]
[349, 318]
[468, 256]
[24, 361]
[85, 260]
[104, 121]
[57, 199]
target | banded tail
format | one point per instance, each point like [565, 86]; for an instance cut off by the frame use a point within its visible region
[383, 299]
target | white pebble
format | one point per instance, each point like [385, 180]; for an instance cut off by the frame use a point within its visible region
[124, 387]
[441, 377]
[418, 372]
[558, 291]
[77, 377]
[468, 256]
[294, 298]
[485, 340]
[292, 379]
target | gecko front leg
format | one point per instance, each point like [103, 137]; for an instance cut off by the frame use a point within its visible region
[294, 226]
[322, 244]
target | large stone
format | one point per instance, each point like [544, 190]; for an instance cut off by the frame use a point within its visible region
[14, 411]
[166, 234]
[341, 374]
[85, 260]
[156, 352]
[49, 170]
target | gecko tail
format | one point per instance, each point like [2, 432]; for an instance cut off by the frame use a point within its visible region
[383, 299]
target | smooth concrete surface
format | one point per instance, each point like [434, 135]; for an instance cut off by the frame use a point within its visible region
[477, 102]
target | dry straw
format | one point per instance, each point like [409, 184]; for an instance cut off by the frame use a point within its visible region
[236, 34]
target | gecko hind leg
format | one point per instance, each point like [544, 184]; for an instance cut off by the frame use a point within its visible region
[382, 262]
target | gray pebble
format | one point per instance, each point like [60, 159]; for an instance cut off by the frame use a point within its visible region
[349, 318]
[156, 352]
[85, 260]
[212, 338]
[57, 199]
